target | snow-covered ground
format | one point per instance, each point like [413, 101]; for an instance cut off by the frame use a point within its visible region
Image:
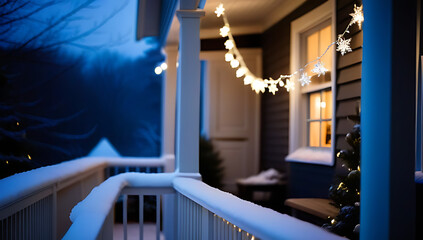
[134, 232]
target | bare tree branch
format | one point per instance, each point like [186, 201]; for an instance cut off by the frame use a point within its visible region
[55, 23]
[13, 20]
[13, 10]
[86, 33]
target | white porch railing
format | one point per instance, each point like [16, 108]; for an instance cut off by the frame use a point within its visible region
[36, 204]
[203, 212]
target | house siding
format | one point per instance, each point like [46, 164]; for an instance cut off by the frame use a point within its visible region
[275, 108]
[348, 82]
[307, 180]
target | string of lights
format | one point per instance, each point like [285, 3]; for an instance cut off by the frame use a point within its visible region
[234, 57]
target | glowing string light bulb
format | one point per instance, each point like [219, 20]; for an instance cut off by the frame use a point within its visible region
[229, 44]
[319, 69]
[289, 85]
[234, 63]
[248, 79]
[224, 31]
[219, 10]
[241, 72]
[158, 70]
[273, 89]
[343, 45]
[229, 57]
[305, 79]
[259, 84]
[357, 16]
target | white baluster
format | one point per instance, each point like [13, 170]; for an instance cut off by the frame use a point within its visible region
[158, 217]
[125, 216]
[141, 216]
[205, 223]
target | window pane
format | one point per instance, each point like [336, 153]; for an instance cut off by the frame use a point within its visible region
[312, 51]
[314, 106]
[317, 44]
[326, 104]
[324, 42]
[314, 134]
[326, 133]
[312, 46]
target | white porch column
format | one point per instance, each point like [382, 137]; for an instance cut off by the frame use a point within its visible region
[169, 105]
[188, 92]
[168, 146]
[388, 120]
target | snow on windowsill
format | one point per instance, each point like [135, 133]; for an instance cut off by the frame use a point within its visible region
[322, 156]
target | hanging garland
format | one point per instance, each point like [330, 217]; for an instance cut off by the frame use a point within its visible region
[234, 57]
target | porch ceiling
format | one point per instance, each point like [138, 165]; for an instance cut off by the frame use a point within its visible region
[246, 16]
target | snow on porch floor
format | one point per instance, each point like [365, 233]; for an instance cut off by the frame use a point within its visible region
[134, 233]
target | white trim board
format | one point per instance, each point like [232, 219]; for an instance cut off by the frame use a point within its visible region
[297, 100]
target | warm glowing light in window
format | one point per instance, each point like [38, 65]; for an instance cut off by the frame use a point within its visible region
[320, 119]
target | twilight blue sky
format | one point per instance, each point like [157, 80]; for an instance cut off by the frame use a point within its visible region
[115, 34]
[97, 70]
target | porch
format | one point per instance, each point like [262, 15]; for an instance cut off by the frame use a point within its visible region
[36, 204]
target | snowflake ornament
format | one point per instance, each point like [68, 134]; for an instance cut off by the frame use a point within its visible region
[224, 31]
[273, 89]
[343, 45]
[219, 10]
[357, 16]
[319, 69]
[258, 86]
[271, 84]
[304, 79]
[289, 85]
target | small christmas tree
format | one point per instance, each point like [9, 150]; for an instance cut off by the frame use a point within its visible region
[345, 192]
[211, 168]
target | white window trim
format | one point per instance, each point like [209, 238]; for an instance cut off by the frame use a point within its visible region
[298, 150]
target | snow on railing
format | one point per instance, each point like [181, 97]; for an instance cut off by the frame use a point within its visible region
[241, 219]
[23, 184]
[89, 216]
[37, 202]
[203, 212]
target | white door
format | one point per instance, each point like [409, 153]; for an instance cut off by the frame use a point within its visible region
[231, 115]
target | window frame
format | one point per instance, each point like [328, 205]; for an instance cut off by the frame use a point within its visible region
[298, 98]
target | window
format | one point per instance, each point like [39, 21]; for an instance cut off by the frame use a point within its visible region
[311, 108]
[319, 108]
